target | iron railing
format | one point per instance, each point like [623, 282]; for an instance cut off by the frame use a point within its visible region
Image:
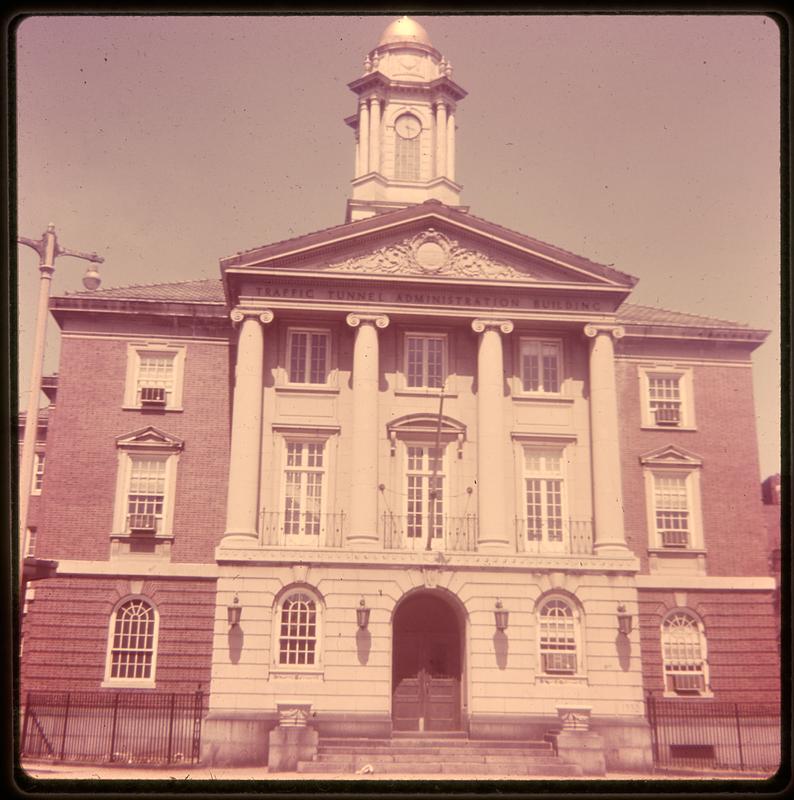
[302, 528]
[701, 733]
[408, 533]
[118, 727]
[571, 536]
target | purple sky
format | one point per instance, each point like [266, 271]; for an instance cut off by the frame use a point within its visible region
[646, 142]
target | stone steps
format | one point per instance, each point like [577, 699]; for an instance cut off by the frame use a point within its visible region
[422, 754]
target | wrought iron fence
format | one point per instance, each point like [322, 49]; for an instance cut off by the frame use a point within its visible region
[703, 733]
[572, 536]
[120, 727]
[287, 528]
[410, 533]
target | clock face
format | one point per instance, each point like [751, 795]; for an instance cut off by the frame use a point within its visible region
[407, 126]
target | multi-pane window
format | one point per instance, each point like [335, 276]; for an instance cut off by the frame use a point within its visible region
[543, 495]
[308, 353]
[155, 377]
[38, 472]
[30, 542]
[298, 630]
[671, 509]
[683, 652]
[425, 496]
[540, 366]
[132, 641]
[557, 630]
[146, 493]
[303, 488]
[424, 361]
[664, 398]
[407, 155]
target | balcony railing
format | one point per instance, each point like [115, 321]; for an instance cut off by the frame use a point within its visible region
[571, 537]
[454, 534]
[302, 529]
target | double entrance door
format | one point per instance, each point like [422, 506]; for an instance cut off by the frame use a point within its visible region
[426, 671]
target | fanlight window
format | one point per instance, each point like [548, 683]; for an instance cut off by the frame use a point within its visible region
[558, 637]
[298, 635]
[132, 644]
[683, 651]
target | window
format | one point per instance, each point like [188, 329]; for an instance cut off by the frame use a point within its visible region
[425, 476]
[144, 510]
[132, 644]
[558, 635]
[672, 486]
[297, 641]
[39, 459]
[30, 542]
[667, 398]
[425, 361]
[407, 149]
[154, 376]
[684, 654]
[308, 356]
[543, 499]
[304, 476]
[540, 363]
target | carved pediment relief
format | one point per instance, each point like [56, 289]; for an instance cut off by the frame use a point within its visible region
[671, 456]
[431, 254]
[149, 437]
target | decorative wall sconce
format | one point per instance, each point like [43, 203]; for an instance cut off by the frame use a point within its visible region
[625, 621]
[234, 612]
[501, 615]
[362, 614]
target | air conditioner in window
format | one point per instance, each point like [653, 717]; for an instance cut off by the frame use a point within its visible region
[669, 415]
[675, 538]
[688, 683]
[152, 396]
[142, 523]
[559, 663]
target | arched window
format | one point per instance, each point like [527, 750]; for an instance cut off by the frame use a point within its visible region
[558, 637]
[684, 654]
[297, 643]
[132, 643]
[407, 151]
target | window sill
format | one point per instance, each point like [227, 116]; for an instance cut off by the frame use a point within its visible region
[676, 551]
[668, 428]
[706, 695]
[524, 397]
[153, 409]
[131, 683]
[308, 388]
[157, 537]
[424, 392]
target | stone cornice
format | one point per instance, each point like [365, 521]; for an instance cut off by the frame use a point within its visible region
[436, 559]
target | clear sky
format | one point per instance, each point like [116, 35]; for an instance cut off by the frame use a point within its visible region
[650, 143]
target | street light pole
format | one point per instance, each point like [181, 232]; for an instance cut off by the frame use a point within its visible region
[48, 249]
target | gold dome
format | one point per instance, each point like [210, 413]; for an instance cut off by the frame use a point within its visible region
[404, 30]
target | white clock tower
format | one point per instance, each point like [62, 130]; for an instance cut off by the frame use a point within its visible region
[405, 125]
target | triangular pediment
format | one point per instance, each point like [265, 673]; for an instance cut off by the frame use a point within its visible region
[431, 242]
[671, 455]
[150, 437]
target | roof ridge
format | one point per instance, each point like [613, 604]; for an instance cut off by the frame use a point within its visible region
[137, 286]
[683, 313]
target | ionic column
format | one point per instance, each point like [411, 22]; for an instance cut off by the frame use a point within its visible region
[363, 526]
[246, 443]
[374, 137]
[494, 530]
[441, 139]
[363, 136]
[609, 538]
[451, 144]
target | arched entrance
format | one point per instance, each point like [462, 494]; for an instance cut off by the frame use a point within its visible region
[426, 664]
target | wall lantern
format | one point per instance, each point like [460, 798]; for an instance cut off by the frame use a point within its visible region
[624, 620]
[362, 614]
[233, 612]
[501, 616]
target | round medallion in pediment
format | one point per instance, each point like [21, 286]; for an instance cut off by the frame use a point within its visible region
[431, 251]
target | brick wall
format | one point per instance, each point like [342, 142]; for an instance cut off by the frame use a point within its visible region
[76, 516]
[725, 439]
[66, 632]
[741, 635]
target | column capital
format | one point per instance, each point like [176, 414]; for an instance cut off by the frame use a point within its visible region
[592, 329]
[439, 103]
[481, 325]
[265, 316]
[354, 319]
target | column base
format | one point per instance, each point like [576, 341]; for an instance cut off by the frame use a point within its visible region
[240, 540]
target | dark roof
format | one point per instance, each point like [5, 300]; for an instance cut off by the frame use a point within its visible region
[210, 290]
